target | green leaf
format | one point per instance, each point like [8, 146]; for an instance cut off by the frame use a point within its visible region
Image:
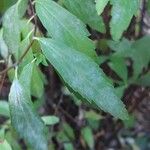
[37, 83]
[50, 120]
[148, 7]
[11, 25]
[144, 80]
[81, 9]
[100, 5]
[140, 54]
[118, 65]
[3, 46]
[68, 146]
[4, 145]
[2, 134]
[27, 72]
[120, 46]
[13, 140]
[11, 29]
[120, 91]
[6, 4]
[122, 13]
[138, 51]
[130, 123]
[4, 108]
[91, 84]
[92, 115]
[23, 46]
[69, 131]
[24, 119]
[64, 27]
[88, 136]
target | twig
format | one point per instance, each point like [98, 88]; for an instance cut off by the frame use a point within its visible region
[2, 82]
[19, 61]
[7, 69]
[58, 105]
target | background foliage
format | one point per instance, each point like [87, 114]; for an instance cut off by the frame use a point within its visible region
[74, 74]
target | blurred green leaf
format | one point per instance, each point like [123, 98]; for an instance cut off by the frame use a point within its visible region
[65, 27]
[37, 83]
[130, 122]
[3, 46]
[12, 139]
[81, 9]
[88, 137]
[27, 72]
[5, 4]
[92, 115]
[144, 80]
[68, 146]
[148, 6]
[118, 65]
[122, 13]
[120, 90]
[138, 51]
[4, 108]
[50, 120]
[4, 145]
[100, 5]
[11, 26]
[24, 119]
[69, 131]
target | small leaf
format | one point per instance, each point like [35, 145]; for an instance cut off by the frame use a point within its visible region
[130, 123]
[122, 13]
[11, 25]
[37, 82]
[4, 145]
[27, 72]
[81, 9]
[13, 140]
[84, 76]
[100, 5]
[144, 80]
[3, 46]
[68, 146]
[120, 91]
[88, 136]
[138, 51]
[4, 108]
[65, 27]
[50, 120]
[92, 115]
[118, 65]
[25, 121]
[69, 131]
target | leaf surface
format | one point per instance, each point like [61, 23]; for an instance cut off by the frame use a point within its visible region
[24, 119]
[122, 13]
[4, 108]
[81, 9]
[11, 25]
[4, 145]
[100, 5]
[84, 76]
[138, 51]
[64, 26]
